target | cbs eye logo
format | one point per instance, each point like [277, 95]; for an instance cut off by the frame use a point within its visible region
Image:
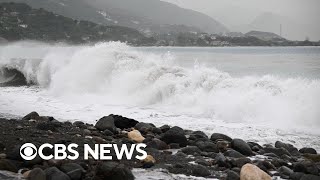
[28, 151]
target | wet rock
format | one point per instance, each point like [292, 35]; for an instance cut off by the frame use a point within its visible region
[175, 135]
[73, 170]
[284, 170]
[8, 175]
[52, 126]
[312, 157]
[32, 115]
[79, 124]
[36, 174]
[165, 128]
[136, 136]
[296, 175]
[307, 151]
[148, 162]
[217, 136]
[123, 122]
[222, 146]
[233, 153]
[7, 165]
[54, 173]
[221, 160]
[231, 175]
[107, 132]
[157, 144]
[141, 126]
[277, 151]
[241, 146]
[239, 162]
[207, 146]
[113, 171]
[189, 169]
[310, 177]
[252, 172]
[203, 162]
[289, 147]
[306, 167]
[106, 122]
[191, 150]
[198, 135]
[174, 146]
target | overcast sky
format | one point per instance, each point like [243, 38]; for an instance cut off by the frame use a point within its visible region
[305, 14]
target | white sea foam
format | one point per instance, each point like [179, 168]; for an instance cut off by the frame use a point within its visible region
[86, 80]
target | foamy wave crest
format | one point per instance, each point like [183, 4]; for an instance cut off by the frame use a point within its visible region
[121, 74]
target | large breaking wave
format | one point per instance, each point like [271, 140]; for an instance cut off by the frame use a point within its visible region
[124, 75]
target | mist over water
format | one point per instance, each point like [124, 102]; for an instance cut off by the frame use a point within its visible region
[87, 82]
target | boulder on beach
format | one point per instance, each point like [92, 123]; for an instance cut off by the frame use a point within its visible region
[113, 171]
[54, 173]
[136, 136]
[148, 162]
[36, 174]
[218, 136]
[123, 122]
[106, 122]
[306, 150]
[241, 146]
[32, 115]
[252, 172]
[175, 135]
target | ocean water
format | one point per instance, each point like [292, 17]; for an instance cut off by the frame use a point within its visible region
[261, 94]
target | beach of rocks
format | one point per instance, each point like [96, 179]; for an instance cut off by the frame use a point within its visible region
[170, 149]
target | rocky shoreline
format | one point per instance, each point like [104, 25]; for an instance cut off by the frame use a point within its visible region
[171, 149]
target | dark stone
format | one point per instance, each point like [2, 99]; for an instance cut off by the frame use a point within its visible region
[296, 175]
[123, 122]
[277, 151]
[191, 150]
[221, 160]
[189, 169]
[73, 170]
[157, 144]
[239, 162]
[231, 175]
[37, 174]
[174, 146]
[310, 177]
[218, 136]
[7, 165]
[285, 171]
[198, 135]
[253, 144]
[165, 128]
[175, 135]
[113, 171]
[32, 115]
[199, 170]
[107, 132]
[289, 147]
[307, 151]
[222, 146]
[106, 122]
[144, 127]
[207, 146]
[156, 130]
[306, 167]
[241, 146]
[203, 162]
[2, 146]
[54, 173]
[79, 124]
[52, 126]
[233, 153]
[271, 155]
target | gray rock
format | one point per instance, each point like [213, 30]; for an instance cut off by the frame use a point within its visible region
[233, 153]
[54, 173]
[32, 115]
[218, 136]
[310, 177]
[157, 144]
[107, 132]
[191, 150]
[37, 174]
[308, 151]
[285, 170]
[175, 135]
[7, 165]
[207, 146]
[73, 170]
[289, 147]
[165, 128]
[106, 122]
[239, 162]
[221, 160]
[241, 146]
[113, 171]
[277, 151]
[231, 175]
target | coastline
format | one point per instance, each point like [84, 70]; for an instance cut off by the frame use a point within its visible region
[174, 150]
